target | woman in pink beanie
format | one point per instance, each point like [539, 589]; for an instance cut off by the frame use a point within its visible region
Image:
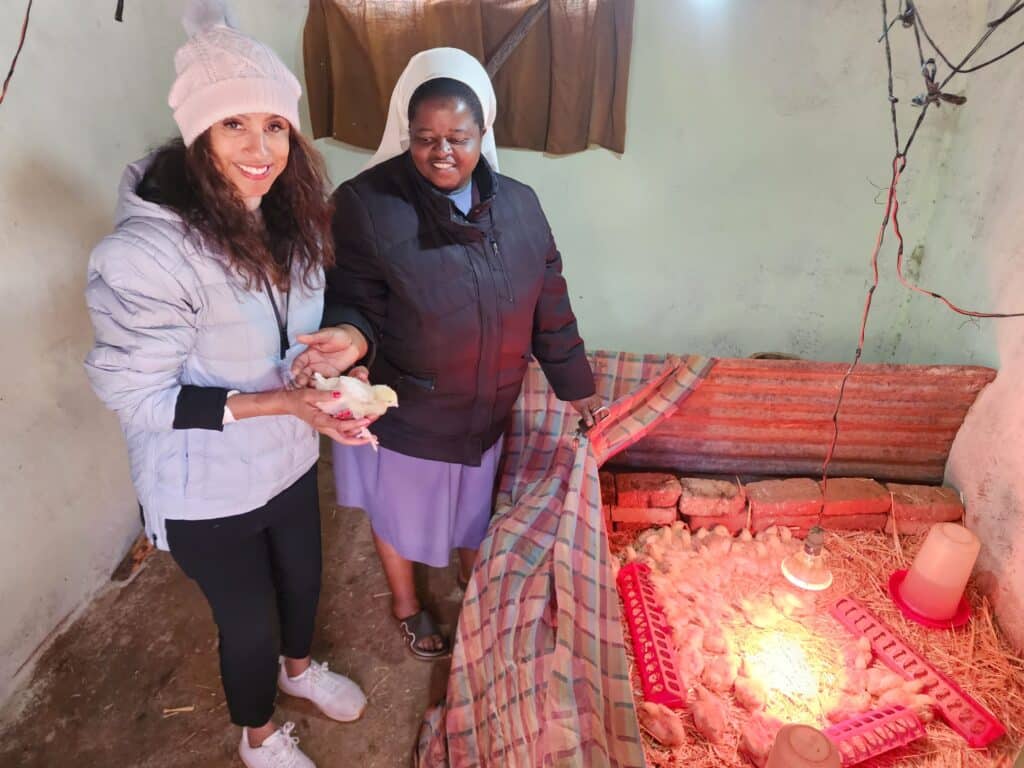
[214, 270]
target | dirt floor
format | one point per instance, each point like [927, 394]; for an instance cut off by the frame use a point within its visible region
[99, 695]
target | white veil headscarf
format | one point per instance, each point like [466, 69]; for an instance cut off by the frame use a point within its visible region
[429, 65]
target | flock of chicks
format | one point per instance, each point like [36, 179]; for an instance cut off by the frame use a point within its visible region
[730, 611]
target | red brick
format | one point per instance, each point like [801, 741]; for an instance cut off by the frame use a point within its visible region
[790, 498]
[710, 498]
[875, 522]
[644, 515]
[608, 495]
[909, 526]
[856, 496]
[735, 522]
[925, 503]
[647, 489]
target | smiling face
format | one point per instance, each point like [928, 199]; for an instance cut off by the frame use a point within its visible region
[251, 151]
[445, 142]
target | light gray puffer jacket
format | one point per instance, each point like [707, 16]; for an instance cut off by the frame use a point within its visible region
[168, 313]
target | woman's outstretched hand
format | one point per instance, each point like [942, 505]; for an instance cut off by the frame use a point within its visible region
[591, 410]
[329, 352]
[301, 403]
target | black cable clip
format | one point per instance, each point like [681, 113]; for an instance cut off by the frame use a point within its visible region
[934, 95]
[906, 19]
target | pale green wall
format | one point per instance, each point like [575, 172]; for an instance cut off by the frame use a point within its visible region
[742, 215]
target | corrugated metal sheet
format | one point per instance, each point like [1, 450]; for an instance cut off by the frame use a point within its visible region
[774, 417]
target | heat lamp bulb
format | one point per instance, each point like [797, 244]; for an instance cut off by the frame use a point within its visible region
[806, 568]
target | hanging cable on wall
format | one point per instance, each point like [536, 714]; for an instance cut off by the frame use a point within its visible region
[935, 94]
[17, 53]
[992, 25]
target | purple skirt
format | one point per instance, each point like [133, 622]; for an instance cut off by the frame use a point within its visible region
[422, 508]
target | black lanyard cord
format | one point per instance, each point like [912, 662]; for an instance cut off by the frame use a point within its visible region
[282, 322]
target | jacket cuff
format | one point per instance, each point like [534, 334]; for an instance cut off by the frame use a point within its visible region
[572, 379]
[200, 408]
[341, 315]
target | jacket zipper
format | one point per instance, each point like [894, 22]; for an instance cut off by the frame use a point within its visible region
[504, 270]
[429, 384]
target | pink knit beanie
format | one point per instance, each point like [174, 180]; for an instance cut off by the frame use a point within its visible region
[222, 72]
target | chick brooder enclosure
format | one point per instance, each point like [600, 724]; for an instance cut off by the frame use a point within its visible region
[750, 651]
[540, 651]
[746, 652]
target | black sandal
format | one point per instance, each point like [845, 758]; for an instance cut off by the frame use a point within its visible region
[419, 627]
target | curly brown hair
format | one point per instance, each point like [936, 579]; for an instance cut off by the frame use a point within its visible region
[296, 211]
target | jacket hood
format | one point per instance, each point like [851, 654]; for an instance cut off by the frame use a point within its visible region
[130, 205]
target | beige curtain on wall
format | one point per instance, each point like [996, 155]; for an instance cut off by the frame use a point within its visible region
[562, 89]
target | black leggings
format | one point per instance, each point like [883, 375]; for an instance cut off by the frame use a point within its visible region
[260, 572]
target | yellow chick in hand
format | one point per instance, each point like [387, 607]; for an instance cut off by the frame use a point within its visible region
[360, 399]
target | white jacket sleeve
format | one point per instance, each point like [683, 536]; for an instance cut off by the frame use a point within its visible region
[144, 317]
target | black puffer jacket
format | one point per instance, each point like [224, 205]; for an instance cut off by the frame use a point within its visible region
[457, 303]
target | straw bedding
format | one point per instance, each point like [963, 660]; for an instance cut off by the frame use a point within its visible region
[808, 658]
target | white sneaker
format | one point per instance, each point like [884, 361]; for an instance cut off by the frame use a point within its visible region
[279, 750]
[335, 695]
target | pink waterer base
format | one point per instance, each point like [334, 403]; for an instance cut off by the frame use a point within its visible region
[961, 617]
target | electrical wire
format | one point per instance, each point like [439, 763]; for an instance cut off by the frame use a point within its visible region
[910, 16]
[992, 26]
[17, 53]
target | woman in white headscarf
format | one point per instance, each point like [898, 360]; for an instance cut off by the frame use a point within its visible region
[454, 268]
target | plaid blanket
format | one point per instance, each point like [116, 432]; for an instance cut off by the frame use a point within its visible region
[539, 674]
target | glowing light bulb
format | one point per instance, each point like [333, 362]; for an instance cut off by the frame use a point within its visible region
[806, 568]
[781, 663]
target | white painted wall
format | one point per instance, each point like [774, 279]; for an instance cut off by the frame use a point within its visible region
[982, 226]
[87, 95]
[740, 219]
